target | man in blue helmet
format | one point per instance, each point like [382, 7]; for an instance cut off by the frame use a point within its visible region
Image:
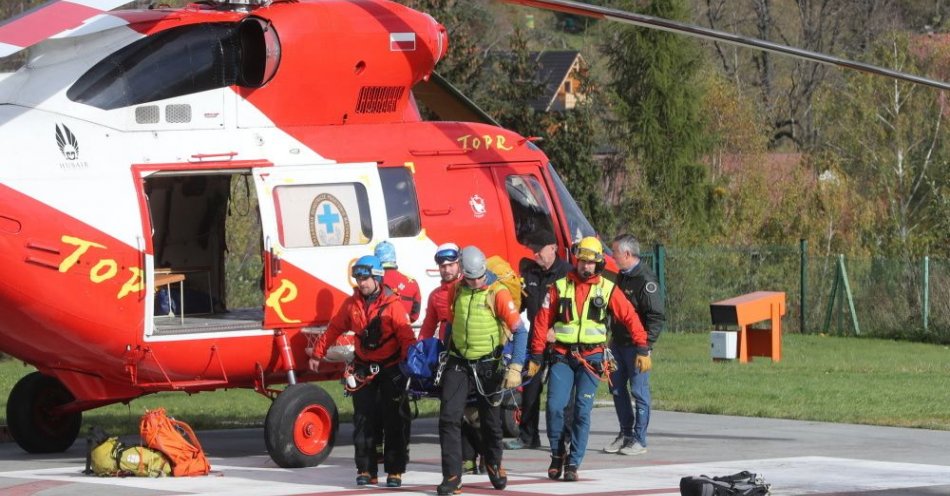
[383, 336]
[405, 287]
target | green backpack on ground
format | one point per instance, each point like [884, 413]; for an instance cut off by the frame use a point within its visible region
[111, 458]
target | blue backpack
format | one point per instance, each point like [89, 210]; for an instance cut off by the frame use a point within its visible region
[421, 365]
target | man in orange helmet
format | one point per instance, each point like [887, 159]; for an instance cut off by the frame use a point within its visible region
[574, 317]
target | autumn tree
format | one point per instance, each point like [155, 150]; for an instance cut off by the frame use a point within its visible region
[892, 138]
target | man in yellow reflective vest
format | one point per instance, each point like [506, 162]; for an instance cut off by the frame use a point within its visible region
[484, 317]
[574, 318]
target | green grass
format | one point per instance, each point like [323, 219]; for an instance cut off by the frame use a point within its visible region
[822, 378]
[832, 379]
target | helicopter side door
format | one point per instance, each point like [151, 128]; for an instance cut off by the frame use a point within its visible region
[316, 221]
[531, 214]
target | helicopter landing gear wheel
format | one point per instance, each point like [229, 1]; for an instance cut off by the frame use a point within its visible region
[29, 420]
[511, 414]
[301, 426]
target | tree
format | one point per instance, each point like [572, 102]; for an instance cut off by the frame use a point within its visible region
[653, 78]
[891, 137]
[785, 86]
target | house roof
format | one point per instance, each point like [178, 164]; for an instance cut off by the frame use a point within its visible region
[553, 68]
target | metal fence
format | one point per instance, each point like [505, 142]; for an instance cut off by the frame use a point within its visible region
[892, 298]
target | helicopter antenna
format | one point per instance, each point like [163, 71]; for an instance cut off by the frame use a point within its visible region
[606, 13]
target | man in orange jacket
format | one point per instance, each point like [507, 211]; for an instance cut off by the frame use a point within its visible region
[437, 310]
[573, 317]
[383, 335]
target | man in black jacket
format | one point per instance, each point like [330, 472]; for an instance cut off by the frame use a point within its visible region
[639, 284]
[538, 273]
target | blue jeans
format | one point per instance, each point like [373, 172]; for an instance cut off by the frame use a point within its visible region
[568, 374]
[631, 425]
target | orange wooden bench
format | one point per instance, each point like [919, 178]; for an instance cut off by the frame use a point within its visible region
[746, 310]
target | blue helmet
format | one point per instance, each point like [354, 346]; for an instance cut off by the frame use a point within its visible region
[366, 266]
[386, 253]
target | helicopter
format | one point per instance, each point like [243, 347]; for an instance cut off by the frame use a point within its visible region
[126, 132]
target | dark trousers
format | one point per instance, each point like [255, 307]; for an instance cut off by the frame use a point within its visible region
[529, 433]
[381, 401]
[458, 383]
[471, 440]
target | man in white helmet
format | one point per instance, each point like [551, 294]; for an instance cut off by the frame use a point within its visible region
[484, 317]
[437, 309]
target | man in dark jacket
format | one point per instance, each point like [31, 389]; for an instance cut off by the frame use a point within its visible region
[538, 274]
[639, 285]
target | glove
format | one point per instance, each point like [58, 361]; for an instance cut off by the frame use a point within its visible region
[644, 363]
[533, 367]
[512, 377]
[314, 364]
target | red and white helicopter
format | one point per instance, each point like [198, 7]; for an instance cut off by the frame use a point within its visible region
[123, 133]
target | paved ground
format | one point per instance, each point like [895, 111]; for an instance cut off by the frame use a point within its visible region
[795, 457]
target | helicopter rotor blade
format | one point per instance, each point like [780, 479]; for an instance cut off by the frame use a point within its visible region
[50, 19]
[606, 13]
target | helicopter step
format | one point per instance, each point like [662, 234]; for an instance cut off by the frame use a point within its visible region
[234, 320]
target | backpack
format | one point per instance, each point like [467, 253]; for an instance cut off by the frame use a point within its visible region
[111, 458]
[506, 276]
[421, 363]
[741, 484]
[167, 435]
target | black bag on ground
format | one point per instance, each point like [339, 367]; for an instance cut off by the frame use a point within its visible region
[742, 484]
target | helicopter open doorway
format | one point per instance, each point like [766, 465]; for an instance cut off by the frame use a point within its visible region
[207, 269]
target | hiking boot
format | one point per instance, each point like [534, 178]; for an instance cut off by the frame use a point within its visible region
[631, 447]
[556, 467]
[514, 444]
[365, 479]
[498, 476]
[616, 444]
[449, 485]
[394, 480]
[570, 473]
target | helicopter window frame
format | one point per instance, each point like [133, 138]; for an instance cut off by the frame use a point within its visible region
[298, 216]
[531, 209]
[402, 202]
[577, 223]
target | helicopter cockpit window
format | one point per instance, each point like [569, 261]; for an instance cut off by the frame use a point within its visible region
[402, 206]
[576, 221]
[529, 207]
[181, 61]
[311, 215]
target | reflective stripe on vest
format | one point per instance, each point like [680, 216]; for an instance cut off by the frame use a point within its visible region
[475, 330]
[581, 329]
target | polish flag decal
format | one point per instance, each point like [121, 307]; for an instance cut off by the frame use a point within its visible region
[402, 42]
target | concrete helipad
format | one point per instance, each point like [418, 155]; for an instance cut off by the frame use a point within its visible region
[795, 457]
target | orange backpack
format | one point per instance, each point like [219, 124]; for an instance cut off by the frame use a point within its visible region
[165, 434]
